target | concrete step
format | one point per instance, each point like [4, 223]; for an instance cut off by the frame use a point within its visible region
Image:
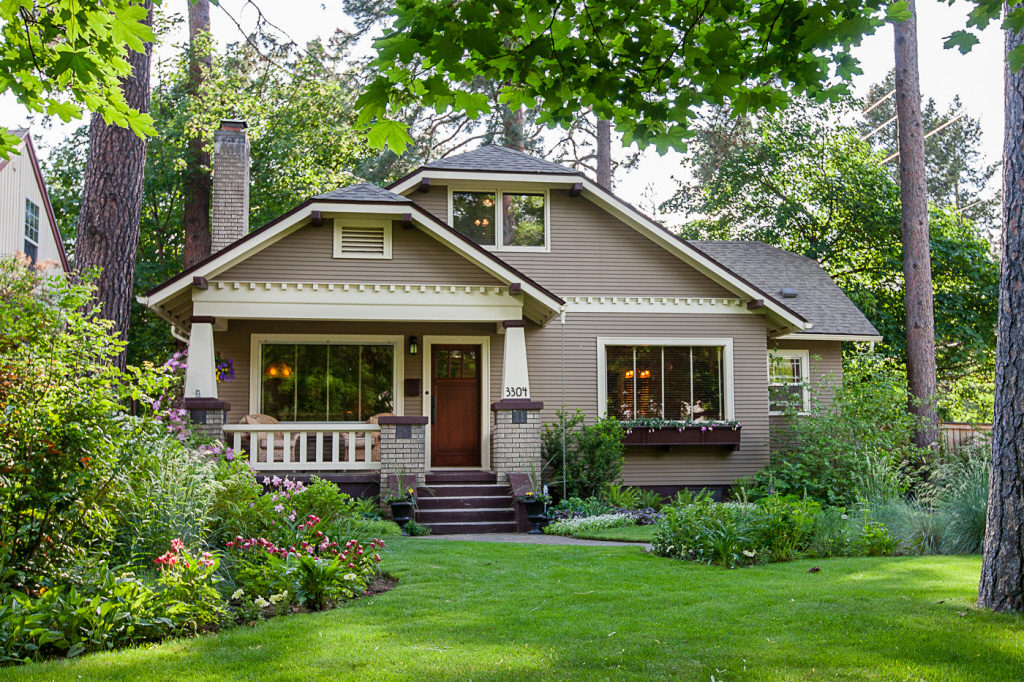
[472, 527]
[465, 503]
[433, 517]
[437, 477]
[464, 490]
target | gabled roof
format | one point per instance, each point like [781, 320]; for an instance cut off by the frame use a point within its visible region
[37, 171]
[818, 298]
[364, 191]
[495, 158]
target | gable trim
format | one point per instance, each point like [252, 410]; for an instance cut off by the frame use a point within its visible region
[636, 219]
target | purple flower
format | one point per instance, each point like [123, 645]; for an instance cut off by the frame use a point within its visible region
[280, 508]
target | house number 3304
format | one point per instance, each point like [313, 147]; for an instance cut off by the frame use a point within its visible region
[516, 391]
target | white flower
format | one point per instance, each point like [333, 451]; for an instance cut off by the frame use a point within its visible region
[238, 594]
[276, 598]
[749, 553]
[261, 602]
[350, 576]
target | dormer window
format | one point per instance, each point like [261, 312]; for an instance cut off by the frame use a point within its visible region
[501, 220]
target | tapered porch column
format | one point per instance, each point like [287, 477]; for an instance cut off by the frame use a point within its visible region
[205, 410]
[201, 369]
[515, 379]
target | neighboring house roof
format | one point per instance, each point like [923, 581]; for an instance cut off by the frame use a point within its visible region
[817, 298]
[23, 133]
[364, 191]
[495, 158]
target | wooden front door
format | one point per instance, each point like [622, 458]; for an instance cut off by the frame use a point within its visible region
[455, 405]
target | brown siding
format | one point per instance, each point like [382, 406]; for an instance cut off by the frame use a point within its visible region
[235, 343]
[306, 254]
[645, 466]
[593, 252]
[826, 373]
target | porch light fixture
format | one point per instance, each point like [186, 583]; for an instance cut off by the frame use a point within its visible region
[414, 345]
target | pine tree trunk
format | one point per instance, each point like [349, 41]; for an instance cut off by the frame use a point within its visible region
[604, 153]
[917, 269]
[108, 220]
[197, 159]
[1002, 569]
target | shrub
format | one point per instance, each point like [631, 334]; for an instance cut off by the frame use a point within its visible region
[593, 454]
[416, 529]
[784, 525]
[874, 539]
[64, 434]
[831, 535]
[573, 507]
[621, 498]
[959, 489]
[831, 448]
[189, 578]
[588, 523]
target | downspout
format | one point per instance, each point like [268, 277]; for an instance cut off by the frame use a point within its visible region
[564, 483]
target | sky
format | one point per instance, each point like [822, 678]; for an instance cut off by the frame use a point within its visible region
[977, 77]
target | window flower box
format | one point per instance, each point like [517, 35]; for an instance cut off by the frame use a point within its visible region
[725, 435]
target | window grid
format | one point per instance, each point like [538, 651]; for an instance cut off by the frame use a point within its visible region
[634, 410]
[31, 229]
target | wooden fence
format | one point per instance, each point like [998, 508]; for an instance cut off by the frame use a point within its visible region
[958, 434]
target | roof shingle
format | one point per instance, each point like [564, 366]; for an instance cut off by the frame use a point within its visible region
[772, 269]
[495, 158]
[364, 192]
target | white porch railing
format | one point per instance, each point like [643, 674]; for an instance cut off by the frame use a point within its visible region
[312, 446]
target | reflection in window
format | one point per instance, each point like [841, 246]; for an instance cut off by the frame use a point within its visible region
[787, 383]
[473, 214]
[326, 382]
[522, 219]
[668, 382]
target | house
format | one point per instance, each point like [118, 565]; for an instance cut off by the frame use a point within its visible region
[431, 328]
[27, 224]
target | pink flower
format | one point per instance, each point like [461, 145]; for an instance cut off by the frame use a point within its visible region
[177, 545]
[279, 508]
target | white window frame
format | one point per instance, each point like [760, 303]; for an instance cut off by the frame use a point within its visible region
[804, 356]
[256, 342]
[361, 221]
[38, 226]
[725, 343]
[499, 228]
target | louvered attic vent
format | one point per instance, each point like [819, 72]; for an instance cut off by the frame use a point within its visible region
[362, 239]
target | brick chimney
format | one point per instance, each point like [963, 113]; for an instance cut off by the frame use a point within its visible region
[229, 217]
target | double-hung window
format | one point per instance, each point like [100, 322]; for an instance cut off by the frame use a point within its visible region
[31, 230]
[787, 381]
[333, 382]
[502, 220]
[676, 382]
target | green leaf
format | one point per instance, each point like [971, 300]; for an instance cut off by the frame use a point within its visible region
[394, 134]
[898, 12]
[1016, 58]
[962, 40]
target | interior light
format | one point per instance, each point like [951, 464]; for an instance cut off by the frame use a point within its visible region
[488, 202]
[476, 222]
[629, 374]
[645, 374]
[486, 222]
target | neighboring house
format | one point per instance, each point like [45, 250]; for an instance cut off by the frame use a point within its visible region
[27, 224]
[457, 309]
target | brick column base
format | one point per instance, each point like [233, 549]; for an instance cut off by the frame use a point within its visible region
[515, 438]
[403, 452]
[208, 415]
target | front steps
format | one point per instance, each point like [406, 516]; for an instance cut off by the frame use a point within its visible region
[455, 502]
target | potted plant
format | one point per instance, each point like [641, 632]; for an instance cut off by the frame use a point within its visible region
[535, 502]
[402, 502]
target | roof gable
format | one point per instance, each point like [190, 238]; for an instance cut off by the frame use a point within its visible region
[364, 191]
[496, 158]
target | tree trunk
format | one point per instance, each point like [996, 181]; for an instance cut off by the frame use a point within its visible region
[197, 159]
[917, 269]
[604, 153]
[1002, 568]
[108, 221]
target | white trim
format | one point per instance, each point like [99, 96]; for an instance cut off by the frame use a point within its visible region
[632, 217]
[485, 393]
[256, 342]
[725, 343]
[356, 301]
[340, 224]
[804, 356]
[499, 227]
[655, 304]
[243, 250]
[864, 338]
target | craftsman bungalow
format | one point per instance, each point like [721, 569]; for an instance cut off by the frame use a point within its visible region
[432, 327]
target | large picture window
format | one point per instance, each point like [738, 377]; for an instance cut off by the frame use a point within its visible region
[334, 382]
[665, 382]
[501, 220]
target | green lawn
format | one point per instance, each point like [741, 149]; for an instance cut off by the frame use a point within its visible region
[498, 612]
[624, 534]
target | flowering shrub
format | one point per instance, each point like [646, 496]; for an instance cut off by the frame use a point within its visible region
[577, 525]
[190, 578]
[225, 367]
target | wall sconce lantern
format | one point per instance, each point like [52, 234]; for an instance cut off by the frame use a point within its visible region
[414, 345]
